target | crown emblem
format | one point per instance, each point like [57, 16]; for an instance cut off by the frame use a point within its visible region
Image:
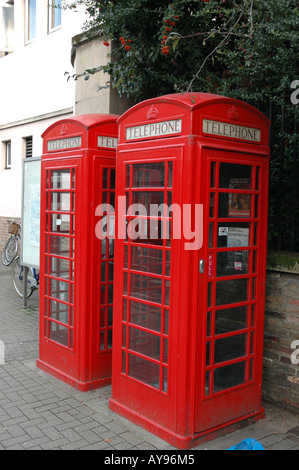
[63, 129]
[152, 113]
[233, 114]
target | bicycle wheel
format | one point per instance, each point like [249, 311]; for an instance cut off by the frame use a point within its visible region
[17, 275]
[10, 251]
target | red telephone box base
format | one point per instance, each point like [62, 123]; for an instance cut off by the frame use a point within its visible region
[185, 442]
[77, 384]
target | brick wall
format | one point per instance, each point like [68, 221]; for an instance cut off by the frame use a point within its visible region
[281, 376]
[4, 235]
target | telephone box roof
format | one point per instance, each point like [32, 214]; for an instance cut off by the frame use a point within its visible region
[193, 101]
[88, 121]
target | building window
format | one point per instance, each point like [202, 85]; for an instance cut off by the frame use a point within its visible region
[28, 146]
[30, 20]
[7, 153]
[7, 28]
[54, 14]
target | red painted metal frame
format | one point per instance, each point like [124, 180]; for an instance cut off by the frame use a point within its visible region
[75, 287]
[168, 394]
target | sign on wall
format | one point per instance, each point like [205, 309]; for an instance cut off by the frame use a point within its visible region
[31, 213]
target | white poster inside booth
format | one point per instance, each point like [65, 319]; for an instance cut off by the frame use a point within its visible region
[31, 213]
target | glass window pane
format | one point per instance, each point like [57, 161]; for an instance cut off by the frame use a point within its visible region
[166, 321]
[144, 343]
[231, 292]
[59, 245]
[213, 174]
[230, 319]
[60, 223]
[229, 376]
[146, 199]
[143, 370]
[61, 179]
[31, 19]
[149, 175]
[145, 315]
[170, 173]
[164, 378]
[8, 27]
[167, 264]
[146, 259]
[234, 175]
[230, 348]
[233, 234]
[232, 263]
[55, 13]
[110, 316]
[59, 311]
[60, 202]
[150, 232]
[234, 205]
[147, 288]
[112, 178]
[59, 333]
[109, 339]
[59, 290]
[60, 268]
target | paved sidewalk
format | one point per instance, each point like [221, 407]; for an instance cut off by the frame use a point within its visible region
[39, 412]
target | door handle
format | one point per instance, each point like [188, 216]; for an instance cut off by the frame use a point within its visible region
[201, 266]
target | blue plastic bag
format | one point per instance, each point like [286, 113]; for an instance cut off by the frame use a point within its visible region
[247, 444]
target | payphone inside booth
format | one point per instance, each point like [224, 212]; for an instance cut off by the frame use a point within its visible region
[190, 265]
[77, 249]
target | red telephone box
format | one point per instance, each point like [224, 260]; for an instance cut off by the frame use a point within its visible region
[76, 262]
[189, 304]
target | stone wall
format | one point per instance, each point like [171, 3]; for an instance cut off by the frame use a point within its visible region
[281, 373]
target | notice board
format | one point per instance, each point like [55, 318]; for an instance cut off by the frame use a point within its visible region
[31, 213]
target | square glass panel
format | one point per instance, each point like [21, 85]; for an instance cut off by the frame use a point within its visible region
[231, 292]
[233, 234]
[232, 263]
[230, 319]
[59, 311]
[146, 259]
[144, 343]
[229, 376]
[230, 348]
[234, 175]
[60, 202]
[145, 315]
[59, 246]
[59, 333]
[149, 175]
[147, 288]
[234, 205]
[60, 223]
[61, 268]
[61, 179]
[143, 200]
[143, 370]
[60, 290]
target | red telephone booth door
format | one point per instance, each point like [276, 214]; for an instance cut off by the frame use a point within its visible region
[231, 310]
[59, 263]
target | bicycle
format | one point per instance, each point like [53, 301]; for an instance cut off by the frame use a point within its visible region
[18, 275]
[11, 248]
